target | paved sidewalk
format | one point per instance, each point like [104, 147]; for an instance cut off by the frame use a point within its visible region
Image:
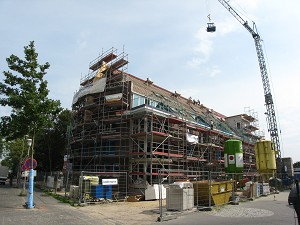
[48, 210]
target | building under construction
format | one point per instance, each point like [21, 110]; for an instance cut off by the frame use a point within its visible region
[122, 123]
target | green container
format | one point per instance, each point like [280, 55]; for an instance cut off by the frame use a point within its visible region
[233, 156]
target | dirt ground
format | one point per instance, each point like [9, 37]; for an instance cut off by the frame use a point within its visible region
[132, 213]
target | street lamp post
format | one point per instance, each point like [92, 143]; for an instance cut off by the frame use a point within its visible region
[23, 192]
[30, 181]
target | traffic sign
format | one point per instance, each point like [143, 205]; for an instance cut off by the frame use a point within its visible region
[24, 168]
[30, 162]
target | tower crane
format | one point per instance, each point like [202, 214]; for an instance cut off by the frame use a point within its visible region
[269, 103]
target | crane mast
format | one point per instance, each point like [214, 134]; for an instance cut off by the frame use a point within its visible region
[270, 114]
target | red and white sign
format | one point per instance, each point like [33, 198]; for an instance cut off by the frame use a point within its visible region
[231, 159]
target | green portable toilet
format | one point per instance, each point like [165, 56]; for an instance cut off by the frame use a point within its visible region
[233, 156]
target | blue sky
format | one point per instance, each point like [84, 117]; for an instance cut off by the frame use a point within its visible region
[166, 41]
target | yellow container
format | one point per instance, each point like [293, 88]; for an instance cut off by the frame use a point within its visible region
[265, 157]
[94, 180]
[220, 192]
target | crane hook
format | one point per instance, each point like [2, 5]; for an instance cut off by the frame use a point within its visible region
[208, 16]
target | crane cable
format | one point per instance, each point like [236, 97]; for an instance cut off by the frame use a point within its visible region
[242, 12]
[208, 9]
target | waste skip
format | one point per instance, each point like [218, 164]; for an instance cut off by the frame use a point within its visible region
[218, 193]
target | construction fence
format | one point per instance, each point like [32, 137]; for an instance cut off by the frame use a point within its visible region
[191, 189]
[206, 188]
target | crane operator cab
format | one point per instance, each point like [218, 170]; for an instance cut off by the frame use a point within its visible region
[210, 26]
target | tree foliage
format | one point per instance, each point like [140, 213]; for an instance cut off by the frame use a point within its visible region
[13, 152]
[51, 144]
[27, 94]
[1, 147]
[24, 90]
[50, 147]
[296, 165]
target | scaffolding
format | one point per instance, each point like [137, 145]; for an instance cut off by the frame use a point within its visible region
[122, 123]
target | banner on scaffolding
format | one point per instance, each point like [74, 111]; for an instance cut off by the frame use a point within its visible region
[193, 139]
[114, 97]
[92, 88]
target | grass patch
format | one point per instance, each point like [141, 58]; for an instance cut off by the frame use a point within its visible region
[60, 198]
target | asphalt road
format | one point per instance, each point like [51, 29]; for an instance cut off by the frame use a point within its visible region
[270, 210]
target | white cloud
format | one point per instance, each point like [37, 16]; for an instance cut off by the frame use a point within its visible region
[203, 48]
[195, 62]
[227, 26]
[214, 71]
[82, 40]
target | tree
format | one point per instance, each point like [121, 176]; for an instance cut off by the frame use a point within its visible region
[51, 144]
[27, 94]
[13, 152]
[296, 165]
[1, 147]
